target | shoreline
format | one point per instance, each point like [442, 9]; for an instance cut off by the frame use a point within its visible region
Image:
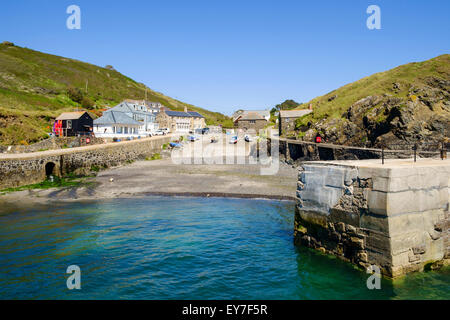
[204, 195]
[163, 178]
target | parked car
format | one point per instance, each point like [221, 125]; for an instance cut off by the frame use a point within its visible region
[159, 132]
[165, 130]
[205, 130]
[248, 138]
[193, 138]
[233, 140]
[175, 145]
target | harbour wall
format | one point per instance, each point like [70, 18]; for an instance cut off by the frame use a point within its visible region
[23, 169]
[394, 216]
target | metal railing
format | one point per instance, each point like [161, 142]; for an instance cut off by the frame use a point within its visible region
[427, 147]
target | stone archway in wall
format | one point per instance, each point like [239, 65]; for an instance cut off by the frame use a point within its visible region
[50, 169]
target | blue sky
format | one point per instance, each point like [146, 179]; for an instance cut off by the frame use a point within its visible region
[224, 55]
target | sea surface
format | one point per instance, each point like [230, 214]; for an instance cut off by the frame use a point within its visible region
[179, 248]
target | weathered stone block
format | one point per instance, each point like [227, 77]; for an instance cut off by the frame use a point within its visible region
[340, 227]
[363, 257]
[396, 216]
[419, 249]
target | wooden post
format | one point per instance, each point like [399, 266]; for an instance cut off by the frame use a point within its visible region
[415, 152]
[287, 150]
[443, 151]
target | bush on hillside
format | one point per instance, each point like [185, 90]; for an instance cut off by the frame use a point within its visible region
[87, 103]
[75, 94]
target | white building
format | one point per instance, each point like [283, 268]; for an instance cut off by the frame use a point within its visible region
[114, 124]
[141, 114]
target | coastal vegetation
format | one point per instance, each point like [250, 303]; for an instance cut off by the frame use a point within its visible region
[36, 87]
[68, 181]
[286, 105]
[155, 156]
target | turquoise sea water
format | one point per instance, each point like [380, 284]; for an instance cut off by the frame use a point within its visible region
[179, 248]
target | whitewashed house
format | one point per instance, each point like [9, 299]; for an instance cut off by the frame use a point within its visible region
[113, 124]
[130, 118]
[140, 112]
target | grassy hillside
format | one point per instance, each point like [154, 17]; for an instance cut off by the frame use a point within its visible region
[35, 87]
[410, 102]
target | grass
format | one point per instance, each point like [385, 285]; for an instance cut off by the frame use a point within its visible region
[33, 92]
[155, 156]
[65, 182]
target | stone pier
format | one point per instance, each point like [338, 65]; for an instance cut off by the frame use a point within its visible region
[395, 216]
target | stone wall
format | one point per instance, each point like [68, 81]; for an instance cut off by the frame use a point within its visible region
[287, 124]
[394, 216]
[255, 125]
[53, 143]
[19, 170]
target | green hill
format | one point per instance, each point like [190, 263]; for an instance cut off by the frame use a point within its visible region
[35, 87]
[407, 104]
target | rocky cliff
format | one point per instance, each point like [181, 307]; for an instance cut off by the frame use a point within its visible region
[396, 108]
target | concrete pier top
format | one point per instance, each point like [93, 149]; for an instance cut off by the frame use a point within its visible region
[389, 163]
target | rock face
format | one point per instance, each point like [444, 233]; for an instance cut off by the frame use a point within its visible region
[422, 116]
[396, 217]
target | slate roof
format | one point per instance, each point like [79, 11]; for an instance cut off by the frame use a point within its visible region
[252, 116]
[189, 114]
[195, 114]
[121, 107]
[178, 114]
[113, 117]
[71, 115]
[262, 113]
[128, 107]
[294, 113]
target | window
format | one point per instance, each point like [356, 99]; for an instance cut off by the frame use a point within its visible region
[252, 121]
[69, 124]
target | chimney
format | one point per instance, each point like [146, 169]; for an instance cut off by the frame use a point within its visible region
[185, 109]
